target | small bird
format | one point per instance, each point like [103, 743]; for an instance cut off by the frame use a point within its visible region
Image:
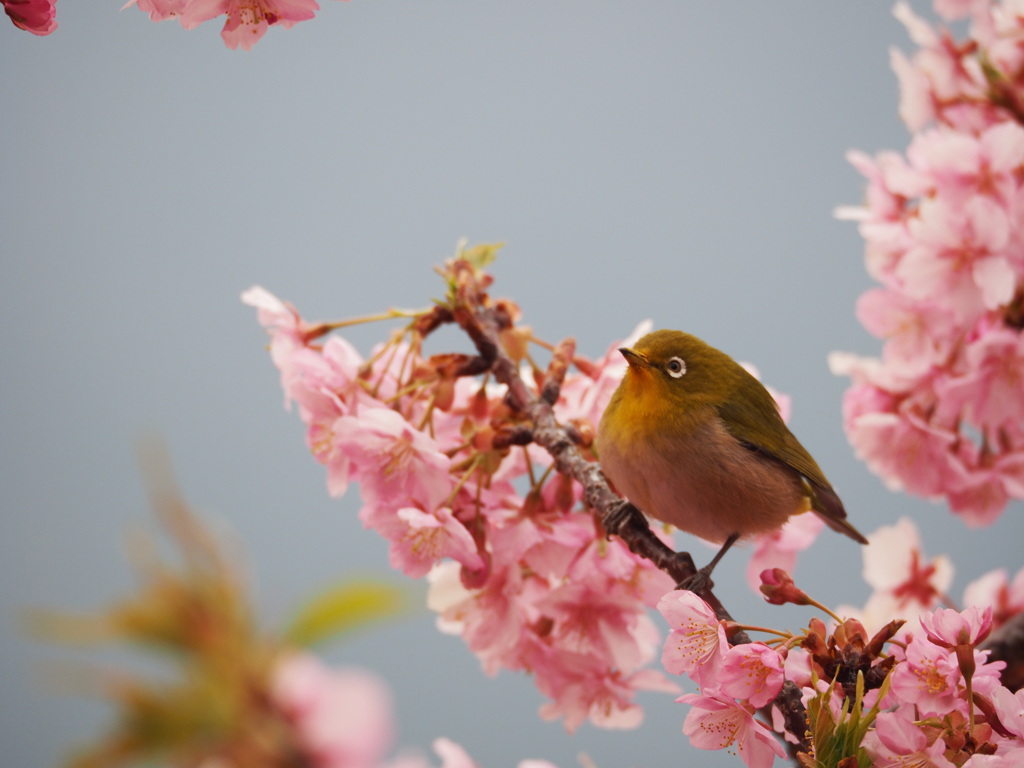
[694, 440]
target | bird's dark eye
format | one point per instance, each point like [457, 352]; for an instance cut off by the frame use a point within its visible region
[676, 367]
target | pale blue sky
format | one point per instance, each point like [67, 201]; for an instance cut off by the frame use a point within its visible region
[669, 159]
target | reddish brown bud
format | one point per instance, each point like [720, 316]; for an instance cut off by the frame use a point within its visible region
[851, 633]
[884, 635]
[475, 579]
[430, 321]
[778, 588]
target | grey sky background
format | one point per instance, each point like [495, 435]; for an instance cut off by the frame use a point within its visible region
[665, 159]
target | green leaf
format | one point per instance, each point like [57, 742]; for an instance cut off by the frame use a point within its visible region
[344, 608]
[481, 255]
[836, 739]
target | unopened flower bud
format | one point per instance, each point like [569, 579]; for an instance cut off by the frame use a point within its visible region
[778, 588]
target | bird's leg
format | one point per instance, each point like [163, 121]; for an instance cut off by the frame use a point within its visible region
[624, 520]
[701, 580]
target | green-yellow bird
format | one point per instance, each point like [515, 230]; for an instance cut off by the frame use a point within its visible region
[694, 440]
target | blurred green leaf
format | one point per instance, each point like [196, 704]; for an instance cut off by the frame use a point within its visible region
[483, 255]
[344, 608]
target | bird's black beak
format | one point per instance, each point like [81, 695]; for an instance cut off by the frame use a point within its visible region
[634, 358]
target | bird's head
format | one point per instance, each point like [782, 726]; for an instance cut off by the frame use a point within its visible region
[675, 367]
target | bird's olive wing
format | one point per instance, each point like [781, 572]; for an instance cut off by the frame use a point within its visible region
[753, 419]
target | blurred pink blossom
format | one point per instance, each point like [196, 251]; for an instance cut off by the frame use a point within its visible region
[247, 20]
[36, 16]
[343, 716]
[905, 583]
[996, 591]
[396, 463]
[780, 548]
[940, 414]
[161, 10]
[419, 539]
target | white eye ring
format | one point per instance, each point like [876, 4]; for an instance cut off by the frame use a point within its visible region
[676, 367]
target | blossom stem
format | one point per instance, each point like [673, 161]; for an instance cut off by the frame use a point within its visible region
[390, 314]
[768, 630]
[473, 464]
[819, 606]
[969, 686]
[578, 360]
[529, 468]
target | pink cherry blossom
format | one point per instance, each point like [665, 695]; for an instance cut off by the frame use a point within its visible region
[248, 20]
[939, 415]
[905, 449]
[1010, 707]
[753, 672]
[697, 642]
[396, 463]
[894, 562]
[496, 619]
[989, 390]
[958, 256]
[452, 755]
[904, 581]
[952, 10]
[928, 677]
[936, 80]
[987, 481]
[591, 619]
[419, 539]
[581, 689]
[917, 332]
[896, 742]
[35, 16]
[343, 716]
[947, 628]
[717, 721]
[161, 10]
[963, 165]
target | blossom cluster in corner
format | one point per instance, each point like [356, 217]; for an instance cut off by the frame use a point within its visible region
[941, 414]
[874, 690]
[36, 16]
[247, 20]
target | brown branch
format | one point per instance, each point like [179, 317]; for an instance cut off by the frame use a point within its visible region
[1007, 644]
[618, 517]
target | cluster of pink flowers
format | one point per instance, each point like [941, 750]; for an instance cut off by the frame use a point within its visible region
[735, 681]
[343, 718]
[247, 20]
[517, 567]
[928, 697]
[524, 575]
[36, 16]
[941, 414]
